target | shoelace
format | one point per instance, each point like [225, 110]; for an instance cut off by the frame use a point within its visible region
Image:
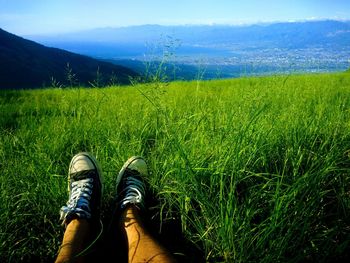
[133, 192]
[79, 199]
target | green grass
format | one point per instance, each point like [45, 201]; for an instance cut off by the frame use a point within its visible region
[252, 169]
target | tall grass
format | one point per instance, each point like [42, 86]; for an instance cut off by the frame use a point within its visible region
[252, 169]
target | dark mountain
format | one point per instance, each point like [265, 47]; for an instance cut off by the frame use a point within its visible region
[26, 64]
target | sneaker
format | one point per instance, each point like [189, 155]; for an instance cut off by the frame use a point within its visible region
[85, 189]
[130, 186]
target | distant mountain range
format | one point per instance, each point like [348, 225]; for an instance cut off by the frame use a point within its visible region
[212, 51]
[26, 64]
[208, 39]
[189, 52]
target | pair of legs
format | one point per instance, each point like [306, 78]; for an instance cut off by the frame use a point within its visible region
[81, 214]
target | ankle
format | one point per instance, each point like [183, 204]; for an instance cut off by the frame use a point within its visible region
[130, 216]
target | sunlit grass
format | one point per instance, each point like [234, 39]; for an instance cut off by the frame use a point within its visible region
[254, 169]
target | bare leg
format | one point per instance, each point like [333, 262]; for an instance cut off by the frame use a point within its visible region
[82, 208]
[74, 241]
[142, 246]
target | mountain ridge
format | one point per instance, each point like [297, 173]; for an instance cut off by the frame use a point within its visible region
[201, 33]
[268, 48]
[135, 41]
[27, 64]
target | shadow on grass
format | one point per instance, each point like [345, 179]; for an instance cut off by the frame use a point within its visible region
[112, 246]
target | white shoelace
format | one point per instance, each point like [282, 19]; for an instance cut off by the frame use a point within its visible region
[79, 199]
[133, 192]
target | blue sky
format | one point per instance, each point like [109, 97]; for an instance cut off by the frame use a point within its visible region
[25, 17]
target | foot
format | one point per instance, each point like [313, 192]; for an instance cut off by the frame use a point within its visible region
[130, 186]
[85, 189]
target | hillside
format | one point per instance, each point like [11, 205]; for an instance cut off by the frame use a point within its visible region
[241, 170]
[26, 64]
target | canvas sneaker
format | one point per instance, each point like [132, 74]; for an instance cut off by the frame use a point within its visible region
[85, 189]
[130, 185]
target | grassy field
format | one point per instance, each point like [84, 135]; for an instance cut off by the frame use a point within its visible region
[245, 170]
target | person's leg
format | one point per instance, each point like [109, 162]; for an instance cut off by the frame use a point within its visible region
[142, 246]
[80, 216]
[75, 238]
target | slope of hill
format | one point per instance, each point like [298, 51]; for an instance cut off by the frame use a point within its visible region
[243, 170]
[26, 64]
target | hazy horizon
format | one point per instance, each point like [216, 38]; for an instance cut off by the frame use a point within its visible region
[51, 17]
[186, 25]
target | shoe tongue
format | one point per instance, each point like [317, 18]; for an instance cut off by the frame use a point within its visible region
[83, 175]
[131, 172]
